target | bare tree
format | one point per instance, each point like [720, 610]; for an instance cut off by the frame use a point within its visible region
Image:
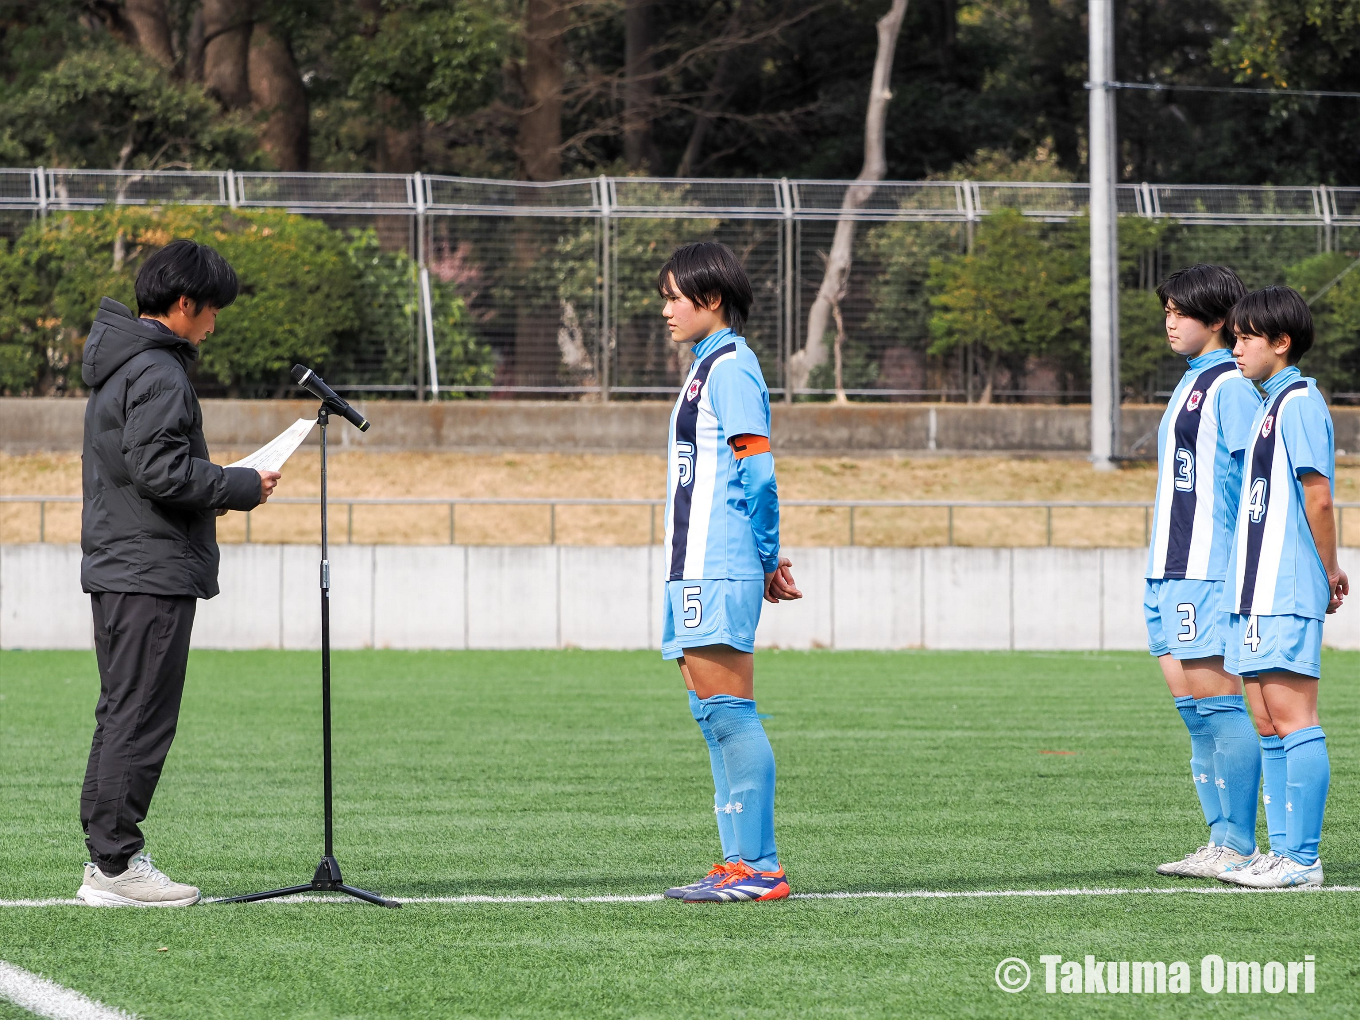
[837, 275]
[544, 76]
[639, 86]
[713, 98]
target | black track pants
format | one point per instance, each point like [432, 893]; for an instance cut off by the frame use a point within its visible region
[142, 645]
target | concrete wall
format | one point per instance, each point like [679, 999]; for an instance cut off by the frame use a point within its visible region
[30, 424]
[593, 597]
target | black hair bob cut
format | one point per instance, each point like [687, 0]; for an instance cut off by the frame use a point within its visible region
[1274, 312]
[189, 269]
[708, 271]
[1204, 292]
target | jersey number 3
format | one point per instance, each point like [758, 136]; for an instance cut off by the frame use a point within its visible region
[1185, 470]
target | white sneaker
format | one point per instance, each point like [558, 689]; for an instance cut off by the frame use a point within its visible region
[142, 885]
[1275, 871]
[1208, 862]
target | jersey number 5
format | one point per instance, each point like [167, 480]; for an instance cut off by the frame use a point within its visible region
[684, 462]
[1185, 470]
[1256, 500]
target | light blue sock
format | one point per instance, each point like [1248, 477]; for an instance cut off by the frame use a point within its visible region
[722, 799]
[1202, 768]
[750, 776]
[1273, 780]
[1237, 767]
[1309, 775]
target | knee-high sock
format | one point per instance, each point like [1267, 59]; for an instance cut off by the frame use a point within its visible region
[1273, 789]
[1237, 767]
[722, 799]
[1202, 768]
[750, 776]
[1309, 775]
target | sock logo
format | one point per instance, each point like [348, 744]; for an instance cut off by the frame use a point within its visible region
[1220, 783]
[1203, 777]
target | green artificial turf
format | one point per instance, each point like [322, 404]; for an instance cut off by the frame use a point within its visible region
[581, 774]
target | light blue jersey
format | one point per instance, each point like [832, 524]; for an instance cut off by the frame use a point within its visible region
[712, 529]
[1208, 422]
[1275, 569]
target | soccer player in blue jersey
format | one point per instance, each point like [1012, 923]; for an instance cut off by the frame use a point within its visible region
[722, 559]
[1283, 579]
[1200, 445]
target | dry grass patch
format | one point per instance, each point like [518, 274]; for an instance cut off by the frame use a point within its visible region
[360, 474]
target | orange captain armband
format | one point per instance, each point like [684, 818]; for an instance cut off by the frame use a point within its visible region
[748, 445]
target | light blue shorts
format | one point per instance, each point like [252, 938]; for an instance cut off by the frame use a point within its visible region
[1266, 644]
[1184, 618]
[699, 613]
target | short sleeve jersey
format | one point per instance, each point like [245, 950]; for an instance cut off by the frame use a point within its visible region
[708, 527]
[1206, 426]
[1275, 568]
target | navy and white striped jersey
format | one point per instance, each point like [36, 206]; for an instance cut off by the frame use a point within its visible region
[710, 531]
[1206, 423]
[1275, 568]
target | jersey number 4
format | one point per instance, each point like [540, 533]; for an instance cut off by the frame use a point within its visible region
[1252, 638]
[684, 462]
[1256, 500]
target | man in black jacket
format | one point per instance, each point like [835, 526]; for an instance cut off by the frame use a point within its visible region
[149, 537]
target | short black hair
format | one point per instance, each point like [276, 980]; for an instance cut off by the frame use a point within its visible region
[706, 271]
[1203, 291]
[1273, 312]
[189, 269]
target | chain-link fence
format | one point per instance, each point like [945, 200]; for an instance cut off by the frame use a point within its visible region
[558, 280]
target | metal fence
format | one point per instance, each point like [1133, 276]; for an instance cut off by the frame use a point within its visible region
[559, 278]
[891, 532]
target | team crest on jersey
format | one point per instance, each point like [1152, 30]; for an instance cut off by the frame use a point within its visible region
[1267, 425]
[1194, 400]
[693, 390]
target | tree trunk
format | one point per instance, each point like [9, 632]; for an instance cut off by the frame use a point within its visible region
[540, 121]
[639, 148]
[857, 196]
[717, 89]
[227, 26]
[193, 48]
[151, 25]
[276, 90]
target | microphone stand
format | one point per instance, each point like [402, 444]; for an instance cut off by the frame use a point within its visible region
[327, 877]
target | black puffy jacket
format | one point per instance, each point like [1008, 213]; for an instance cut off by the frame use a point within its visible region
[149, 521]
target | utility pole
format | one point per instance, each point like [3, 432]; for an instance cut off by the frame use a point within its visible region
[1105, 387]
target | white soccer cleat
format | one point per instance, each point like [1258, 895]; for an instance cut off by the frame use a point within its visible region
[1207, 862]
[142, 885]
[1178, 868]
[1275, 871]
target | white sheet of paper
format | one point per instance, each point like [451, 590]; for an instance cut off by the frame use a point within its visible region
[272, 455]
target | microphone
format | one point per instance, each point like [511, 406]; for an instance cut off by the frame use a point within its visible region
[316, 386]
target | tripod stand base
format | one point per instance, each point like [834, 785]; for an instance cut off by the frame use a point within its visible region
[326, 879]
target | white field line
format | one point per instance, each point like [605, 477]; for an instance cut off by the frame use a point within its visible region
[910, 894]
[47, 998]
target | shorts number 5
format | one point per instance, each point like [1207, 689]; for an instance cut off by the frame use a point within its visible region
[691, 604]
